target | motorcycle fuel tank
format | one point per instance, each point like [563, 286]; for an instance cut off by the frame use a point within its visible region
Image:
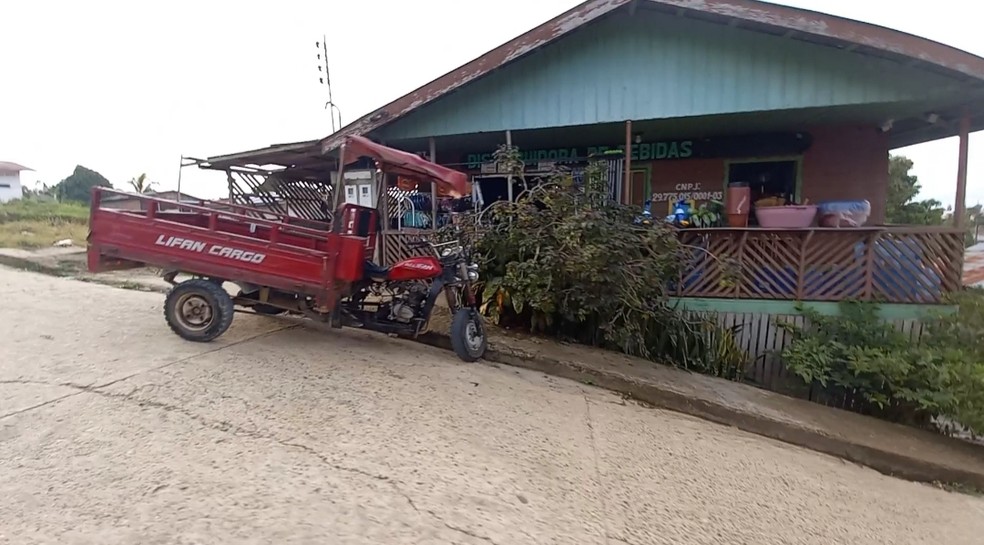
[416, 268]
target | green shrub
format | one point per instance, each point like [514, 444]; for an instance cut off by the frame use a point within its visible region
[961, 335]
[697, 343]
[864, 363]
[566, 260]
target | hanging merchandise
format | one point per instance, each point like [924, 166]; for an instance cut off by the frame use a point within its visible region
[406, 184]
[647, 216]
[681, 213]
[416, 219]
[443, 191]
[420, 201]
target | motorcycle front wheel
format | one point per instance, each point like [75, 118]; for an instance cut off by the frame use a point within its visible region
[468, 337]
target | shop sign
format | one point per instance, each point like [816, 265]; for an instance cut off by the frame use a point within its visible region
[691, 192]
[758, 145]
[653, 151]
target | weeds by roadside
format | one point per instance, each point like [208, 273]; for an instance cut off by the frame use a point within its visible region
[958, 488]
[120, 284]
[22, 209]
[33, 234]
[31, 224]
[30, 266]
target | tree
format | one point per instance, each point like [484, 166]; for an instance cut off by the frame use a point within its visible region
[40, 192]
[78, 186]
[141, 184]
[903, 188]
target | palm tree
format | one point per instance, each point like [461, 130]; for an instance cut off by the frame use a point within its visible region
[140, 184]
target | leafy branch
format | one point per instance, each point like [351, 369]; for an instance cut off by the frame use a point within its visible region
[566, 260]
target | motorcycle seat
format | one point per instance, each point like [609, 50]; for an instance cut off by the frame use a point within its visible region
[373, 270]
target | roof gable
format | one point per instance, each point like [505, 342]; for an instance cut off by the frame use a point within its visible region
[760, 16]
[8, 167]
[658, 66]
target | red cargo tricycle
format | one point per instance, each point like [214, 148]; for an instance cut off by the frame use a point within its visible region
[282, 264]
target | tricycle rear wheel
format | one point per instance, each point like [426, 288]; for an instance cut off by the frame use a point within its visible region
[468, 337]
[198, 310]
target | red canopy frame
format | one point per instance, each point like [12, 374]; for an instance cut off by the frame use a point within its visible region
[395, 161]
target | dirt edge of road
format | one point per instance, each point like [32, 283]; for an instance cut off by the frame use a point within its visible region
[927, 468]
[68, 268]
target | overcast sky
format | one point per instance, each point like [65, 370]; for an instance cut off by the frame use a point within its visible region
[128, 87]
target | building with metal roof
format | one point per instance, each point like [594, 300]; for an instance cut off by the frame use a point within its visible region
[702, 93]
[10, 182]
[684, 69]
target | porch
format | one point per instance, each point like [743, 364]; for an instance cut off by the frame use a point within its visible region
[896, 265]
[905, 264]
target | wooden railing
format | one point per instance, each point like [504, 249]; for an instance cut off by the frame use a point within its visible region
[396, 244]
[886, 264]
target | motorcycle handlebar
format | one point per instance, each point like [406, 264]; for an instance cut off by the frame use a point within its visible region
[435, 247]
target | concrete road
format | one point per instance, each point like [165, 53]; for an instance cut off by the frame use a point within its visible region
[113, 430]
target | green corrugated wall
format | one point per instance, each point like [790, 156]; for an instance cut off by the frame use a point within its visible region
[654, 66]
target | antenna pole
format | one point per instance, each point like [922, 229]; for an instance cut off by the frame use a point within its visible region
[324, 46]
[330, 105]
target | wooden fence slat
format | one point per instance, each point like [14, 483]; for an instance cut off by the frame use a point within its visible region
[886, 264]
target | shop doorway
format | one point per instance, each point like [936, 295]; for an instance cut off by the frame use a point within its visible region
[640, 189]
[768, 179]
[489, 190]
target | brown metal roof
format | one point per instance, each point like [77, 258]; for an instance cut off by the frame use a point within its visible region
[754, 15]
[303, 160]
[277, 154]
[6, 166]
[850, 34]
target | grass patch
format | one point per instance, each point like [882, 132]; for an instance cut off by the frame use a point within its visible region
[31, 234]
[47, 211]
[31, 224]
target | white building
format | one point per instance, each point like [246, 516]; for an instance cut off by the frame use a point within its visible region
[10, 183]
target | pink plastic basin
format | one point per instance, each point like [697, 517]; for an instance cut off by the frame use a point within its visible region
[786, 217]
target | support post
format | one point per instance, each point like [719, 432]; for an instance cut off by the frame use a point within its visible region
[627, 181]
[433, 159]
[509, 180]
[960, 203]
[384, 214]
[339, 185]
[229, 182]
[180, 169]
[382, 208]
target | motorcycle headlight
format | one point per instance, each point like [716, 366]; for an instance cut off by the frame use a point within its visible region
[450, 251]
[473, 272]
